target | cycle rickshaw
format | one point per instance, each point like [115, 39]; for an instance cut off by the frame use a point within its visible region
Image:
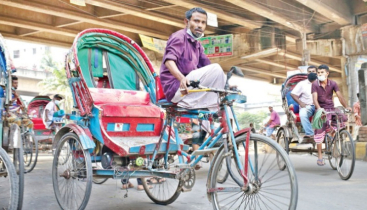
[11, 167]
[340, 150]
[119, 123]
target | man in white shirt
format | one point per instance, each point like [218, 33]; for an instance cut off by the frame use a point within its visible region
[49, 111]
[302, 95]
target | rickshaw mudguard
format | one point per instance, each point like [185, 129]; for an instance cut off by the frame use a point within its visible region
[83, 133]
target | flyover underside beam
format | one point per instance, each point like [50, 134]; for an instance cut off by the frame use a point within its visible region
[329, 11]
[36, 40]
[142, 13]
[60, 12]
[268, 13]
[262, 71]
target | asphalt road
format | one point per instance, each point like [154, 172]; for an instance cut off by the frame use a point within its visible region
[319, 188]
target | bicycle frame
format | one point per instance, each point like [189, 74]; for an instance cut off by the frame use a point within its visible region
[222, 131]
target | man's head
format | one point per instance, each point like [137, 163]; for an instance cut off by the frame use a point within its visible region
[251, 125]
[270, 108]
[312, 69]
[195, 20]
[358, 96]
[322, 72]
[14, 81]
[57, 98]
[312, 76]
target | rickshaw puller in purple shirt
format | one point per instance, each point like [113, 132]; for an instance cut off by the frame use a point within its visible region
[322, 92]
[184, 60]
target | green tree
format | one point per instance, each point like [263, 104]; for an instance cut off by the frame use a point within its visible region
[47, 63]
[245, 118]
[59, 84]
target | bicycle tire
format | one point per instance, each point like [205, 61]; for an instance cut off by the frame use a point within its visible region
[34, 156]
[283, 142]
[18, 162]
[255, 139]
[159, 188]
[82, 172]
[332, 161]
[347, 152]
[6, 166]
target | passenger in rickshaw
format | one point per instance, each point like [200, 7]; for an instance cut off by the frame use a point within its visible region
[273, 122]
[49, 111]
[302, 95]
[16, 113]
[184, 60]
[322, 93]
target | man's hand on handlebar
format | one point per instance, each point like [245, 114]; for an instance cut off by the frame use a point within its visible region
[348, 109]
[183, 86]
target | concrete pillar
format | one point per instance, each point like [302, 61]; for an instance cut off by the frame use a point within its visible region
[344, 83]
[362, 75]
[352, 79]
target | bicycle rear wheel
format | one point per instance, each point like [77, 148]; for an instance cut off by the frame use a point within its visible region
[269, 186]
[9, 192]
[347, 156]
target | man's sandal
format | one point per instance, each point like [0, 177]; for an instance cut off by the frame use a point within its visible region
[126, 186]
[155, 180]
[320, 162]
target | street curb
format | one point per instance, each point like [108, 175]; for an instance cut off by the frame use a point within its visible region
[360, 148]
[361, 151]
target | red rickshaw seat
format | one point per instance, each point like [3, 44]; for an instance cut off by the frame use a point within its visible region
[38, 124]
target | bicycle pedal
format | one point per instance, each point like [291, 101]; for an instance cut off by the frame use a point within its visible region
[184, 189]
[204, 151]
[206, 161]
[182, 166]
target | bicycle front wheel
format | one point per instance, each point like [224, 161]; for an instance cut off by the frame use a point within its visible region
[268, 186]
[18, 162]
[9, 192]
[346, 154]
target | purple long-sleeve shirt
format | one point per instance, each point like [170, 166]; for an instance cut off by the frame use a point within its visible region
[187, 53]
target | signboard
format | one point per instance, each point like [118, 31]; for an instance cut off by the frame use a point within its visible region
[216, 46]
[154, 44]
[212, 19]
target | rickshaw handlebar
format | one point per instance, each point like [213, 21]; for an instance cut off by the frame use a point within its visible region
[340, 111]
[200, 88]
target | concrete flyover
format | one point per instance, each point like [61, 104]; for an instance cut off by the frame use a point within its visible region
[28, 81]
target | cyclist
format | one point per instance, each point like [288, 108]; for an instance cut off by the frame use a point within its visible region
[322, 93]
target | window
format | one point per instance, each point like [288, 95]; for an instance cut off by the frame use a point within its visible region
[16, 54]
[34, 51]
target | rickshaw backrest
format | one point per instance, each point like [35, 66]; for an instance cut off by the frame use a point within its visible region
[117, 73]
[128, 97]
